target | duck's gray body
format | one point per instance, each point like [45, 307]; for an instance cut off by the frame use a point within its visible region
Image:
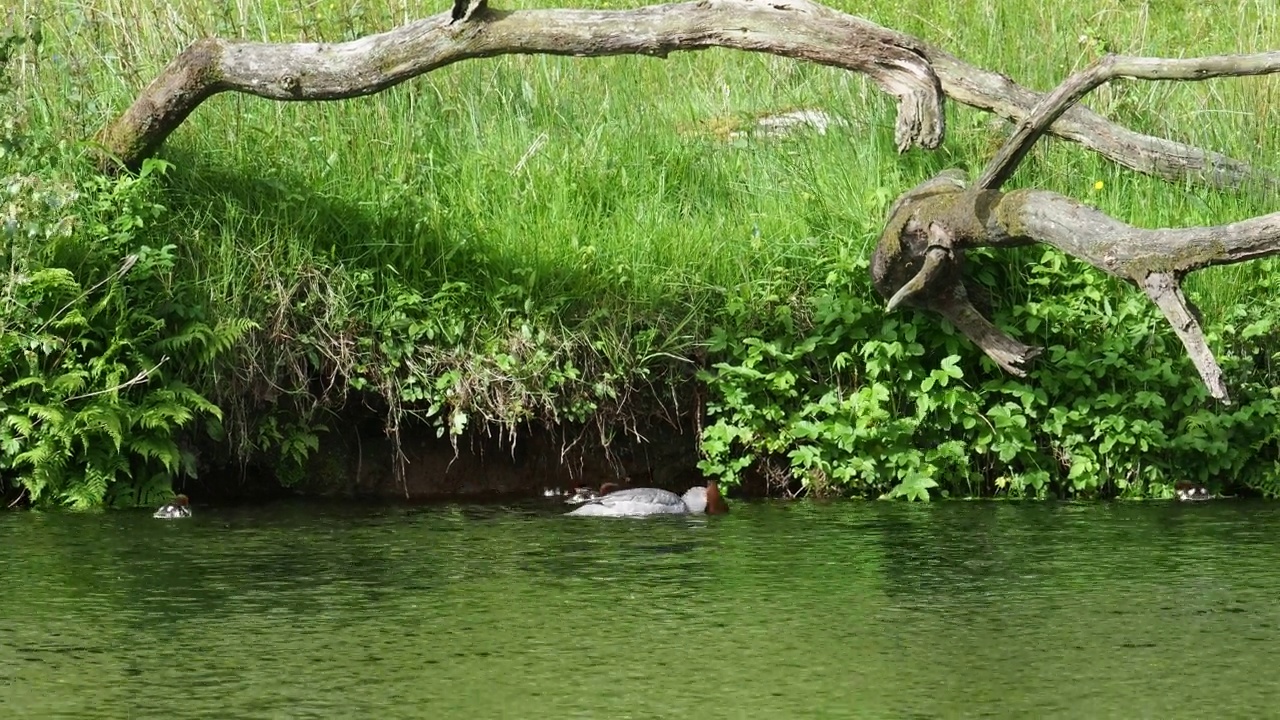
[642, 502]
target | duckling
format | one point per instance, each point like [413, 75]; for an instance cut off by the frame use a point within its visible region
[586, 494]
[1187, 491]
[581, 495]
[464, 9]
[179, 507]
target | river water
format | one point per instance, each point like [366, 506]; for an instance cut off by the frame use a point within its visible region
[860, 610]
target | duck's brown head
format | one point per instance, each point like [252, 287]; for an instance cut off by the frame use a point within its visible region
[609, 487]
[181, 500]
[715, 501]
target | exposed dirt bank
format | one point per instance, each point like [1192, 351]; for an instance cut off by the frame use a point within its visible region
[358, 462]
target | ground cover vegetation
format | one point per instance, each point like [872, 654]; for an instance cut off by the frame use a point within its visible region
[536, 240]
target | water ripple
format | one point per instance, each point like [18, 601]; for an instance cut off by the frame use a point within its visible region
[777, 610]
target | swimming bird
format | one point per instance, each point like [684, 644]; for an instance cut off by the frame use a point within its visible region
[179, 507]
[586, 494]
[464, 9]
[642, 502]
[1187, 491]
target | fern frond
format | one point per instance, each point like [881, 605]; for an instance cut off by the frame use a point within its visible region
[69, 383]
[194, 336]
[21, 424]
[162, 449]
[103, 417]
[46, 413]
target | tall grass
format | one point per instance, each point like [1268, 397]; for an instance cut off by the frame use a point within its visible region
[603, 196]
[604, 177]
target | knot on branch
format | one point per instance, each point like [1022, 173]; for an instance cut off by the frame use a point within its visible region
[919, 261]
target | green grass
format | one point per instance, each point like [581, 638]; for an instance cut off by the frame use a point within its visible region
[599, 196]
[600, 175]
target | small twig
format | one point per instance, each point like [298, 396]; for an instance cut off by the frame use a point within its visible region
[359, 457]
[1006, 161]
[934, 264]
[17, 499]
[141, 377]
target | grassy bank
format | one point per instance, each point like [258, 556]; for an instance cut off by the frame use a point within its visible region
[550, 240]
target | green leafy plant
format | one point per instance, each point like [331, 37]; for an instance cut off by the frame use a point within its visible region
[91, 334]
[853, 400]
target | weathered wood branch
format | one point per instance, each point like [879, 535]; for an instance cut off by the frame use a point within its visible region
[919, 255]
[320, 71]
[1070, 92]
[901, 65]
[1165, 290]
[949, 216]
[1146, 154]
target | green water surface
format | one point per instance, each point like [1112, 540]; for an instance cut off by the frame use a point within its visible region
[778, 610]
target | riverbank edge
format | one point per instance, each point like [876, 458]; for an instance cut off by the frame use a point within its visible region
[356, 458]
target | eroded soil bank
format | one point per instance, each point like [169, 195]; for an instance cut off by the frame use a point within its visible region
[358, 461]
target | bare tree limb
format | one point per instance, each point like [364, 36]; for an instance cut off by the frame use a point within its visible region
[1154, 260]
[935, 260]
[1165, 289]
[901, 65]
[953, 217]
[320, 71]
[919, 259]
[1006, 161]
[1011, 355]
[973, 86]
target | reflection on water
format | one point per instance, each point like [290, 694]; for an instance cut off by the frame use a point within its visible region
[777, 610]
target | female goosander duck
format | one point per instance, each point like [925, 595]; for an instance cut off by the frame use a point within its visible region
[1190, 492]
[639, 502]
[179, 507]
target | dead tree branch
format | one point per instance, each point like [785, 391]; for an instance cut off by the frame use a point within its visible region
[902, 66]
[918, 259]
[943, 224]
[319, 71]
[1146, 154]
[1006, 161]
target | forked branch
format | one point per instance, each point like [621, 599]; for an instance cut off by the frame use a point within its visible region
[918, 257]
[919, 260]
[1070, 92]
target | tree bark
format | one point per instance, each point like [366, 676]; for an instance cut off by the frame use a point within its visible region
[931, 230]
[320, 71]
